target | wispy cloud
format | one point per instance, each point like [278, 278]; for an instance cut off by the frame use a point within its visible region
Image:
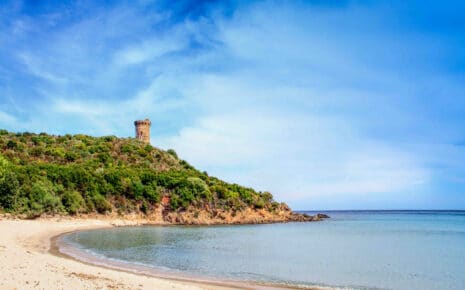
[297, 156]
[88, 108]
[148, 50]
[34, 67]
[6, 118]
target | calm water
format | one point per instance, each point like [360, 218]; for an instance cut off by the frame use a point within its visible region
[384, 250]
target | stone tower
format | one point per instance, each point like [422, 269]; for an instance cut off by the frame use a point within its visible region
[143, 130]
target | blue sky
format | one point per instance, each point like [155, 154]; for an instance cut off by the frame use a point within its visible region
[327, 104]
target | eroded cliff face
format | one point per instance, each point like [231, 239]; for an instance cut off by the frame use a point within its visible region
[195, 216]
[164, 215]
[247, 216]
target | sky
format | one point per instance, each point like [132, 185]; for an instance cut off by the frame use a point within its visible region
[326, 104]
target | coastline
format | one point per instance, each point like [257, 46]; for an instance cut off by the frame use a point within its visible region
[33, 260]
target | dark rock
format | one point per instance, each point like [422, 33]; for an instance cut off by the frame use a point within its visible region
[297, 217]
[322, 216]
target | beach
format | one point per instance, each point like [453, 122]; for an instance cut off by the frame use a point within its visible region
[352, 250]
[26, 262]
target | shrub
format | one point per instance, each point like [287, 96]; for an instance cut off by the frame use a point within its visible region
[137, 189]
[142, 152]
[199, 187]
[186, 165]
[43, 198]
[36, 140]
[57, 152]
[37, 151]
[246, 196]
[219, 190]
[89, 204]
[72, 201]
[274, 205]
[71, 156]
[127, 148]
[109, 138]
[267, 197]
[175, 201]
[101, 204]
[144, 207]
[4, 165]
[259, 203]
[148, 148]
[172, 153]
[104, 157]
[186, 196]
[9, 189]
[152, 193]
[11, 144]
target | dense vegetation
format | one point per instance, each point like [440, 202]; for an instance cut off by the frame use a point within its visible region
[71, 174]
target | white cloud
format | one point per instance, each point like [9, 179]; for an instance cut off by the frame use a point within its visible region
[100, 116]
[35, 67]
[83, 108]
[148, 50]
[6, 119]
[296, 157]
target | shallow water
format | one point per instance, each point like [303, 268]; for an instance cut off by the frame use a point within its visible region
[368, 249]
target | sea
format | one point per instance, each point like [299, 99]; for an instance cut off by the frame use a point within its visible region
[351, 250]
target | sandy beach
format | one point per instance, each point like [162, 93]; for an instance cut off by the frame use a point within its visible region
[26, 262]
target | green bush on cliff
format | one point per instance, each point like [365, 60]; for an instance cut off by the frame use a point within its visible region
[41, 173]
[72, 201]
[9, 185]
[152, 193]
[101, 204]
[9, 188]
[172, 153]
[43, 198]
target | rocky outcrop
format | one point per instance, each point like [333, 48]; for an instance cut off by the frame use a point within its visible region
[322, 216]
[195, 216]
[163, 215]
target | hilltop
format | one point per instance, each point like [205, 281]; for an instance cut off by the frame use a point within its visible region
[42, 174]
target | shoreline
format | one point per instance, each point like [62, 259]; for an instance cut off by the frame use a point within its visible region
[86, 258]
[30, 249]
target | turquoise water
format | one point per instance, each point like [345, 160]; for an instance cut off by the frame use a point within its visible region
[369, 249]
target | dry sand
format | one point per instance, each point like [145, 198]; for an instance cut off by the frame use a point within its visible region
[26, 263]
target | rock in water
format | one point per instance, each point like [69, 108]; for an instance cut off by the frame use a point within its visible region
[322, 216]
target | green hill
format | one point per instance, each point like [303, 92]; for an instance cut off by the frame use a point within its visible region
[80, 174]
